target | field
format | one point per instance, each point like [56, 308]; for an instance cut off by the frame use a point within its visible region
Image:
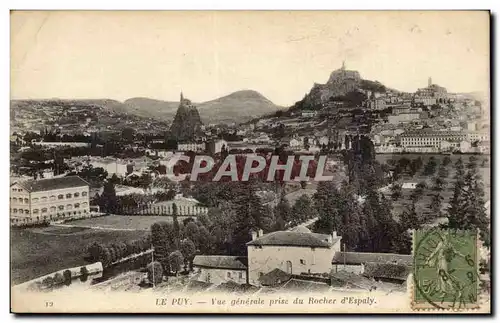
[36, 252]
[123, 222]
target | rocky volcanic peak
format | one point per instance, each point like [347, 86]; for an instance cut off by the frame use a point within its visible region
[187, 121]
[340, 83]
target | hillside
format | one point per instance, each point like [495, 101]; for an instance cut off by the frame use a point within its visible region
[239, 106]
[343, 85]
[150, 108]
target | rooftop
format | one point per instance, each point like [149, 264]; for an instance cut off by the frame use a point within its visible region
[392, 271]
[53, 183]
[274, 277]
[291, 238]
[357, 258]
[222, 262]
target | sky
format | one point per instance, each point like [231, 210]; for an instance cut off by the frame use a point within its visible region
[208, 54]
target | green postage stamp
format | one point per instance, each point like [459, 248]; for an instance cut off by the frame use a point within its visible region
[446, 269]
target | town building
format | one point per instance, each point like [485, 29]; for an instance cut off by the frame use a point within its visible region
[191, 146]
[216, 146]
[111, 165]
[220, 269]
[293, 252]
[37, 201]
[185, 206]
[403, 117]
[431, 138]
[308, 114]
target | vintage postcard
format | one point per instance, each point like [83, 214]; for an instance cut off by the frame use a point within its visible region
[250, 162]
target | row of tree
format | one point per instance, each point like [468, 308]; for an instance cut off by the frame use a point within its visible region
[110, 253]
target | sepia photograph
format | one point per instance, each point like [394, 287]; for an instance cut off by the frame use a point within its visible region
[332, 162]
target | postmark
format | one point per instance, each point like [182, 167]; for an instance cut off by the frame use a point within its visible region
[446, 269]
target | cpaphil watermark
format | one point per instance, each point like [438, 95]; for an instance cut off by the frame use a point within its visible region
[235, 168]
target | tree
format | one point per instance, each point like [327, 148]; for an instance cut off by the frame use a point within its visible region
[396, 191]
[161, 243]
[325, 201]
[108, 200]
[436, 203]
[282, 214]
[114, 179]
[188, 249]
[410, 219]
[446, 160]
[418, 192]
[430, 167]
[302, 210]
[67, 277]
[467, 210]
[176, 260]
[249, 215]
[438, 184]
[155, 272]
[177, 232]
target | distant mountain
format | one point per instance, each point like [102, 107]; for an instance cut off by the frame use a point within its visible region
[150, 108]
[236, 107]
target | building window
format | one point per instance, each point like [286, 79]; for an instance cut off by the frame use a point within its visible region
[44, 210]
[69, 206]
[240, 275]
[35, 211]
[77, 205]
[26, 201]
[14, 199]
[52, 209]
[20, 190]
[84, 193]
[76, 195]
[14, 190]
[302, 262]
[85, 204]
[14, 210]
[44, 199]
[61, 207]
[21, 211]
[68, 196]
[26, 211]
[60, 196]
[53, 198]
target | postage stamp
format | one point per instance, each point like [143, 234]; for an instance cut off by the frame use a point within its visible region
[446, 271]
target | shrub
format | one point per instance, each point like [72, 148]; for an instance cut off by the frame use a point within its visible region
[58, 279]
[158, 272]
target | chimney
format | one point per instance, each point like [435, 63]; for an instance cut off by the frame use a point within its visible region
[260, 233]
[254, 235]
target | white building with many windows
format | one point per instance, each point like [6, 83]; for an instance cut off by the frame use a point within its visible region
[37, 201]
[430, 138]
